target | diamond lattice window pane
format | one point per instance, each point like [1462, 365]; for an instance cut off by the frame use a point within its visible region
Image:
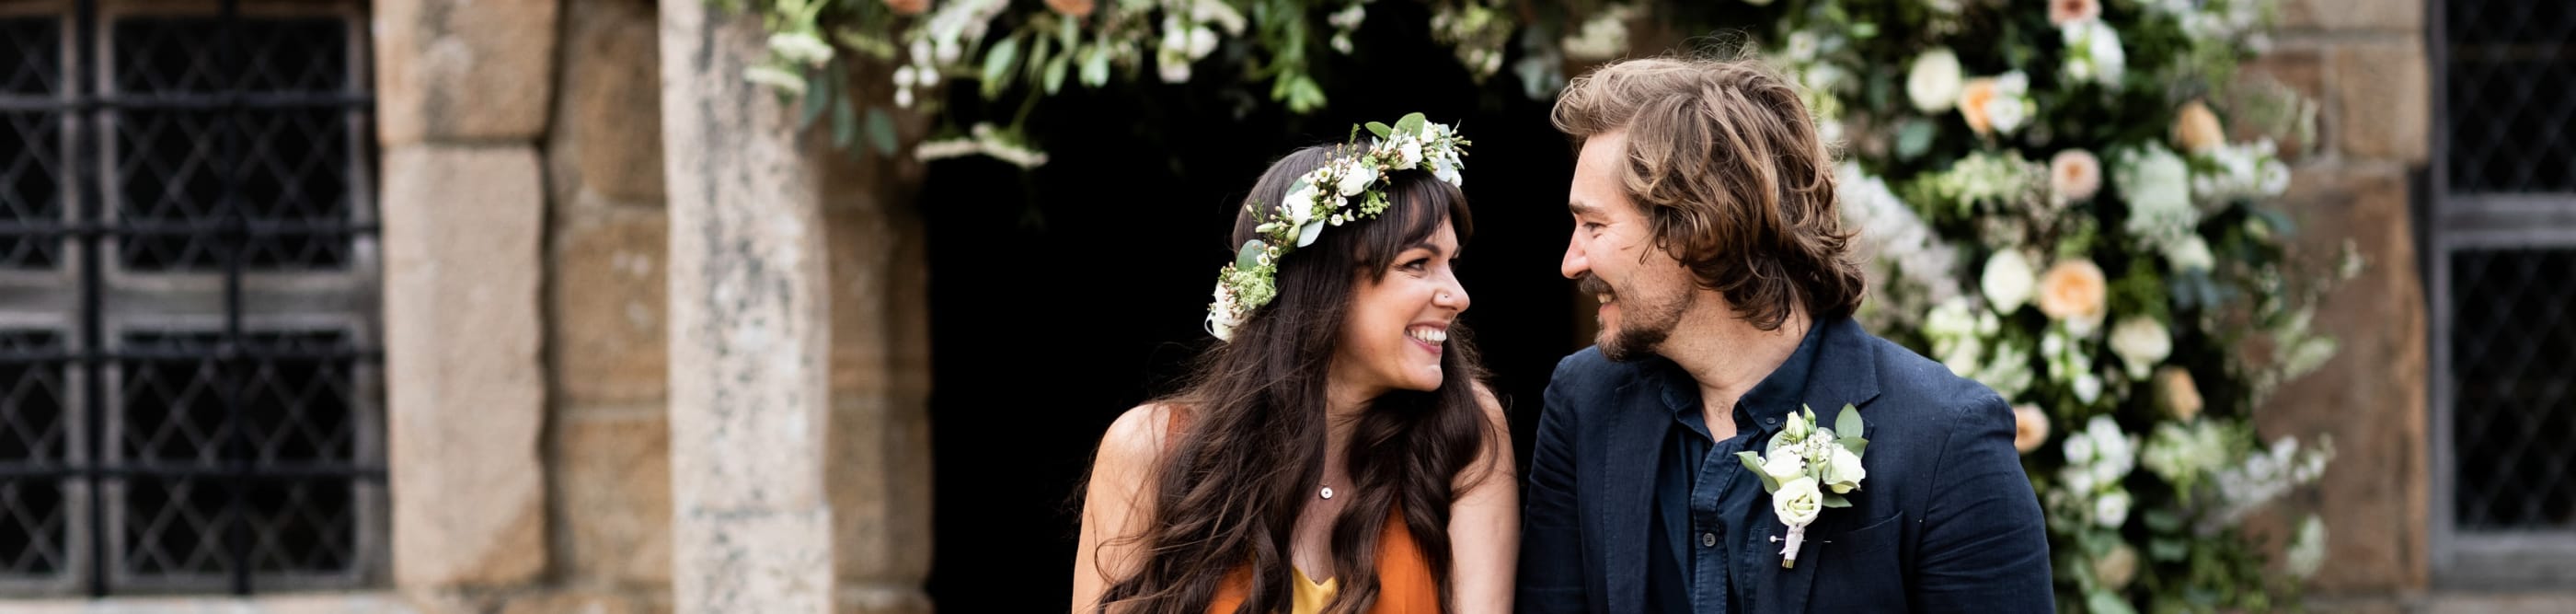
[2513, 348]
[298, 398]
[304, 526]
[296, 171]
[170, 179]
[171, 405]
[2510, 72]
[290, 169]
[32, 391]
[296, 54]
[34, 541]
[174, 526]
[31, 55]
[164, 55]
[31, 188]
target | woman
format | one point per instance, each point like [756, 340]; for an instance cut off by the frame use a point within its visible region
[1335, 453]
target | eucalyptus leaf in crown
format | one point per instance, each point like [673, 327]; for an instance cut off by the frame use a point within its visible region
[1348, 188]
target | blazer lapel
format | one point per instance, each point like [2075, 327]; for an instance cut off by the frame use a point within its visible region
[1632, 438]
[1844, 373]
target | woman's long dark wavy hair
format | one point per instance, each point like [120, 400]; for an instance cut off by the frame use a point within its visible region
[1231, 485]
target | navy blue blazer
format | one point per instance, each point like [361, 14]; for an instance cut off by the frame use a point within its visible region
[1945, 522]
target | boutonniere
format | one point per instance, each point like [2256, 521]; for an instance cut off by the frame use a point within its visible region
[1808, 468]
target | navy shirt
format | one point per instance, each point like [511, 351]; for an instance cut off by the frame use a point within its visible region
[1705, 500]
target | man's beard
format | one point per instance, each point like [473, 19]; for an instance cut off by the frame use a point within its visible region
[1645, 325]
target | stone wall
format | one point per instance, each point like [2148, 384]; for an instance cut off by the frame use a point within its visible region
[2363, 62]
[535, 474]
[462, 88]
[608, 447]
[607, 302]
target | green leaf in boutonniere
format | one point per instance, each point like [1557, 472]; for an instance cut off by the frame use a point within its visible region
[1850, 427]
[1753, 462]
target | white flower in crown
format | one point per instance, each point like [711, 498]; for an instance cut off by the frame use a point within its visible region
[1446, 168]
[1223, 315]
[1408, 154]
[1356, 175]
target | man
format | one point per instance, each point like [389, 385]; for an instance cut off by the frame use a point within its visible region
[1705, 223]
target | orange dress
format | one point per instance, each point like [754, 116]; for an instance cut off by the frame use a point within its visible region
[1405, 585]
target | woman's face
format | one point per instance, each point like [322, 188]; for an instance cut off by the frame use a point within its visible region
[1399, 319]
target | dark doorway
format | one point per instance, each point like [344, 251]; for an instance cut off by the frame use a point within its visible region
[1063, 296]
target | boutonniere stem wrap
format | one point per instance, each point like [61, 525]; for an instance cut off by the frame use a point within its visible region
[1349, 188]
[1808, 468]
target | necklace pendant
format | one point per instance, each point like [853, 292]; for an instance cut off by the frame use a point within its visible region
[1327, 493]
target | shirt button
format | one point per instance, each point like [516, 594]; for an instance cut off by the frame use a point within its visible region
[1708, 540]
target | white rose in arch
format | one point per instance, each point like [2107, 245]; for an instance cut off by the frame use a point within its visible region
[2110, 510]
[2008, 281]
[2141, 342]
[1933, 82]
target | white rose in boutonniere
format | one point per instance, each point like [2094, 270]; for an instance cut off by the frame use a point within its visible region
[1797, 502]
[1843, 471]
[1801, 462]
[1784, 464]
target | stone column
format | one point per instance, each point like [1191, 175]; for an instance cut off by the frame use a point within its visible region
[2363, 63]
[461, 91]
[750, 328]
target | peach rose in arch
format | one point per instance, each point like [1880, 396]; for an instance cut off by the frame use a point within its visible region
[2062, 12]
[1076, 9]
[2196, 129]
[2030, 428]
[2075, 292]
[908, 7]
[1972, 104]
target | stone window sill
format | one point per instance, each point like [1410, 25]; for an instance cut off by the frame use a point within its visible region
[304, 603]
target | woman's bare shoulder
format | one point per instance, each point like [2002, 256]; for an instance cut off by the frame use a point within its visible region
[1136, 440]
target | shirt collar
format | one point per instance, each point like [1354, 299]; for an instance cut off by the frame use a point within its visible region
[1777, 395]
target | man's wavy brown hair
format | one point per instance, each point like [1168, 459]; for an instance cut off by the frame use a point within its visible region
[1727, 167]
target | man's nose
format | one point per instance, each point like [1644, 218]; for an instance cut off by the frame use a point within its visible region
[1576, 262]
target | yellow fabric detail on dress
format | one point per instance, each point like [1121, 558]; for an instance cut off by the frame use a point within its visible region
[1309, 596]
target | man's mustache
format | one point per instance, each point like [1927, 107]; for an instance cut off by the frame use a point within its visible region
[1592, 284]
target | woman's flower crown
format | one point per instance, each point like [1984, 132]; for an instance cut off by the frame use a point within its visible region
[1323, 197]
